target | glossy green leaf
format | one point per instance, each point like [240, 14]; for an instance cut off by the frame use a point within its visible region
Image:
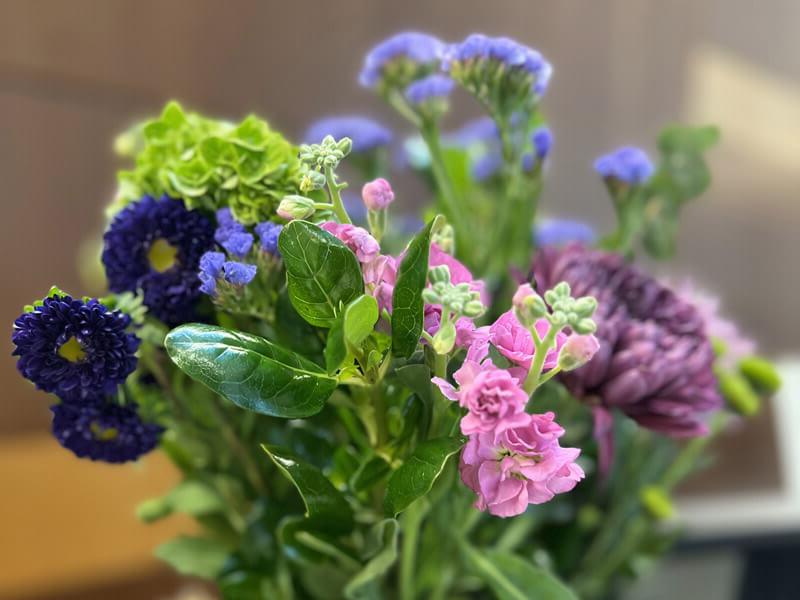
[250, 371]
[360, 317]
[370, 472]
[325, 506]
[513, 578]
[335, 348]
[199, 557]
[322, 273]
[407, 303]
[365, 584]
[417, 474]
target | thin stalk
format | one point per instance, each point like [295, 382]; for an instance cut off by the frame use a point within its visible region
[336, 198]
[248, 464]
[541, 348]
[411, 521]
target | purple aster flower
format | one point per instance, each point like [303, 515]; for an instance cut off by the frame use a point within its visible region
[268, 233]
[104, 431]
[238, 244]
[237, 273]
[401, 59]
[655, 361]
[210, 269]
[155, 246]
[74, 348]
[463, 60]
[557, 232]
[365, 133]
[628, 164]
[433, 86]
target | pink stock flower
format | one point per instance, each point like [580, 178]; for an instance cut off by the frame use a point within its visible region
[522, 292]
[380, 275]
[519, 465]
[515, 342]
[377, 194]
[491, 395]
[358, 239]
[577, 351]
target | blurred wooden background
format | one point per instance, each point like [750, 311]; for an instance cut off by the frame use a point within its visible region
[73, 74]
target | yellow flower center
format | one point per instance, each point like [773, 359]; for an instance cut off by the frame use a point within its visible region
[71, 350]
[103, 434]
[162, 255]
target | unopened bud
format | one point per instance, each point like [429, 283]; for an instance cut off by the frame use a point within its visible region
[439, 274]
[377, 194]
[528, 305]
[311, 181]
[344, 145]
[738, 393]
[296, 207]
[657, 502]
[760, 373]
[474, 309]
[577, 351]
[584, 326]
[585, 306]
[445, 338]
[153, 509]
[445, 238]
[429, 296]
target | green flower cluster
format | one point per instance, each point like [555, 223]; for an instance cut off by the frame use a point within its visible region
[210, 164]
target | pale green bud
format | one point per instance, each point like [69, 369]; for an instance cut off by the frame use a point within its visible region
[344, 145]
[760, 373]
[311, 181]
[153, 509]
[474, 309]
[439, 275]
[445, 338]
[430, 296]
[584, 326]
[657, 502]
[738, 393]
[445, 238]
[585, 306]
[296, 207]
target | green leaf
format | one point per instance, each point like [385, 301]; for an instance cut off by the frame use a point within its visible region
[365, 584]
[407, 303]
[325, 506]
[199, 557]
[370, 472]
[322, 273]
[335, 348]
[417, 474]
[360, 317]
[683, 172]
[513, 578]
[250, 371]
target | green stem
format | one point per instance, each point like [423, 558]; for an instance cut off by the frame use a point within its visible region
[440, 403]
[411, 521]
[430, 134]
[336, 198]
[541, 349]
[248, 464]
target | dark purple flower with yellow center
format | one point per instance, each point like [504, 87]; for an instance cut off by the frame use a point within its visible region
[655, 360]
[73, 348]
[155, 246]
[104, 431]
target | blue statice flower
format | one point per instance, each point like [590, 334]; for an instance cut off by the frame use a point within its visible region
[487, 165]
[104, 431]
[542, 140]
[476, 131]
[227, 226]
[237, 273]
[432, 87]
[558, 232]
[238, 244]
[268, 233]
[74, 348]
[628, 164]
[210, 267]
[400, 59]
[155, 246]
[366, 134]
[480, 63]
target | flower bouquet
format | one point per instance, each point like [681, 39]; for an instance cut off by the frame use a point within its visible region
[483, 404]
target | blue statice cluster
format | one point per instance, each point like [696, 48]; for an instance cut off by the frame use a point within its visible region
[432, 87]
[627, 164]
[365, 133]
[82, 352]
[237, 266]
[487, 158]
[400, 60]
[153, 247]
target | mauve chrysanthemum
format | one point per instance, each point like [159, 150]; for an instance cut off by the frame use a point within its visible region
[155, 246]
[655, 360]
[74, 348]
[104, 431]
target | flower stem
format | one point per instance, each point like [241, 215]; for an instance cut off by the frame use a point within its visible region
[411, 521]
[541, 348]
[336, 197]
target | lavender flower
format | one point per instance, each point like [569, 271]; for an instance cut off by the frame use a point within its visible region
[429, 88]
[400, 59]
[557, 232]
[365, 133]
[627, 164]
[655, 361]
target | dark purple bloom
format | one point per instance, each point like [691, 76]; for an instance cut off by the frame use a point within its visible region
[421, 50]
[366, 134]
[73, 348]
[430, 87]
[628, 164]
[655, 362]
[104, 431]
[268, 233]
[155, 246]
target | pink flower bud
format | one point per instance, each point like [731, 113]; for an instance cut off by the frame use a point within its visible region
[522, 292]
[377, 194]
[577, 351]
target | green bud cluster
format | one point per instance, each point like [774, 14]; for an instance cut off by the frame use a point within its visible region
[445, 238]
[456, 300]
[325, 155]
[568, 311]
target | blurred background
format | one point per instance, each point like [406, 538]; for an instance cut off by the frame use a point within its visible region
[74, 74]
